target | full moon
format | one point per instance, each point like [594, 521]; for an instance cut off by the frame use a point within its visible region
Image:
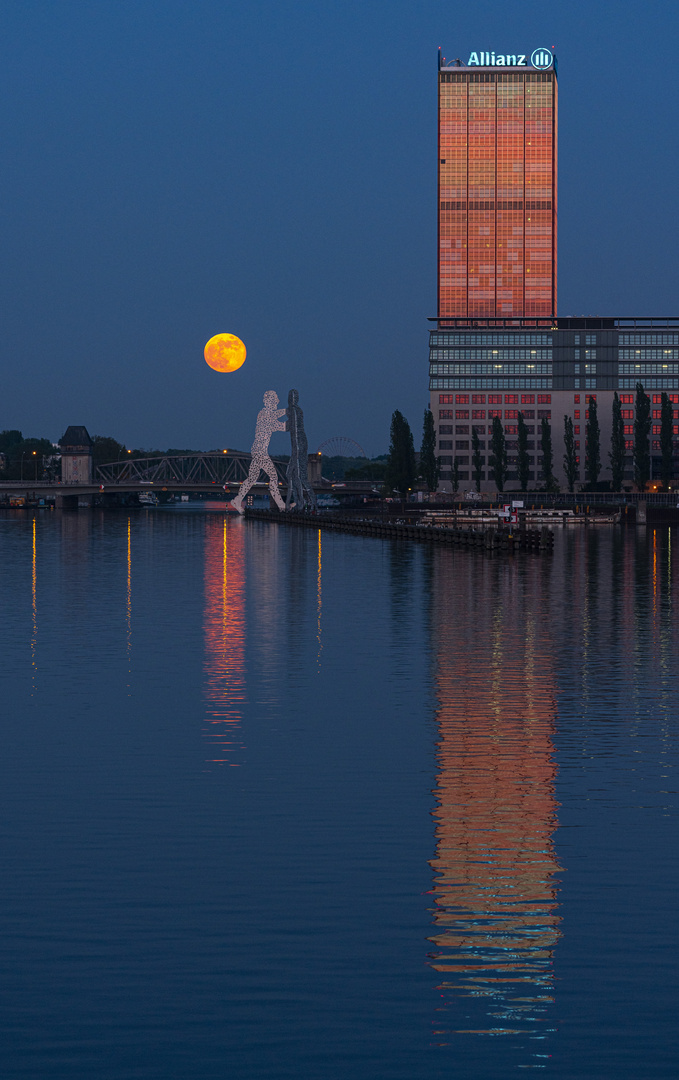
[225, 352]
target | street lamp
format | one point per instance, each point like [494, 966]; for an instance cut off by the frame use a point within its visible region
[35, 455]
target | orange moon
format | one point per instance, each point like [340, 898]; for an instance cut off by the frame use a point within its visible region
[225, 352]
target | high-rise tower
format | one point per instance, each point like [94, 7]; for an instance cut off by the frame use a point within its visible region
[497, 185]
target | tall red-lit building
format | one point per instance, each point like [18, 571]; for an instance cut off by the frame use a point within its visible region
[497, 185]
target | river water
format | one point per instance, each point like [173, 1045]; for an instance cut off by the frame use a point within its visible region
[277, 803]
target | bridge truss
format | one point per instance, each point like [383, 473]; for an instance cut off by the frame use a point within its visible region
[184, 470]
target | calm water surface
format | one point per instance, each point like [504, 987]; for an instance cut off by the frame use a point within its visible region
[281, 804]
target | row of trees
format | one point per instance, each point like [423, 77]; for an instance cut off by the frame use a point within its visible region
[401, 469]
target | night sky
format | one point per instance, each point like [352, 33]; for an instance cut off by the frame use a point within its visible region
[175, 169]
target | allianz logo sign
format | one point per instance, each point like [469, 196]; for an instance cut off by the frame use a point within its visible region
[540, 59]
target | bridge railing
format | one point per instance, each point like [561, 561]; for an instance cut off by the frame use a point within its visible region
[183, 470]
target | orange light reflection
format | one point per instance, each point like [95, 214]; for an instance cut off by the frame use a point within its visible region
[496, 892]
[224, 628]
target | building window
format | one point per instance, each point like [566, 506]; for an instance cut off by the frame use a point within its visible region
[544, 399]
[590, 384]
[494, 412]
[462, 444]
[576, 399]
[462, 429]
[446, 429]
[478, 414]
[528, 414]
[478, 399]
[495, 399]
[576, 339]
[445, 414]
[657, 399]
[626, 399]
[544, 414]
[528, 399]
[462, 399]
[445, 399]
[576, 414]
[590, 354]
[590, 339]
[590, 369]
[511, 414]
[576, 429]
[511, 399]
[511, 429]
[462, 414]
[627, 414]
[629, 429]
[657, 415]
[445, 444]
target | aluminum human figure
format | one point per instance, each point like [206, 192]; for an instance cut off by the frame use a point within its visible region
[300, 492]
[267, 422]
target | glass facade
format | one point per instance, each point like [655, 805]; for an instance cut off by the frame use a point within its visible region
[497, 192]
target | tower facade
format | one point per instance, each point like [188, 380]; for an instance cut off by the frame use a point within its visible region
[497, 185]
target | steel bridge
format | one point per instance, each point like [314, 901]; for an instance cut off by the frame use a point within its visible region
[192, 472]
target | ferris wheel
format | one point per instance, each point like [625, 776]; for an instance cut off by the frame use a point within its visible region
[341, 446]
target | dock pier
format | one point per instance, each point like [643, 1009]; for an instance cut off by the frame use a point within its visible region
[486, 538]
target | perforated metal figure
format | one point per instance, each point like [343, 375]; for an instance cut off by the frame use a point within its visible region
[267, 422]
[300, 491]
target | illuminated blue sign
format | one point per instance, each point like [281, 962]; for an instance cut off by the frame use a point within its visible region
[542, 59]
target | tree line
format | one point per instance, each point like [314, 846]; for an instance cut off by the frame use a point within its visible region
[402, 469]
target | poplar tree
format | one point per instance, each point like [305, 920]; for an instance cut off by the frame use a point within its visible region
[498, 454]
[477, 459]
[570, 463]
[666, 443]
[642, 429]
[430, 468]
[523, 461]
[592, 445]
[617, 454]
[455, 475]
[401, 471]
[547, 455]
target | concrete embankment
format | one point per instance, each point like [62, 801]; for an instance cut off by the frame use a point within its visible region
[504, 538]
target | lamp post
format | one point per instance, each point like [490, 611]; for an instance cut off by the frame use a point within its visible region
[35, 455]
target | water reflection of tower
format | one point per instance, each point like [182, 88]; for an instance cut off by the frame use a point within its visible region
[224, 626]
[496, 920]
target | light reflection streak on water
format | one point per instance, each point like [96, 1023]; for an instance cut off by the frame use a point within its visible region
[496, 921]
[319, 608]
[34, 609]
[128, 606]
[224, 630]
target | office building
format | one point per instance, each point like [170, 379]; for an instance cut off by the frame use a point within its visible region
[497, 189]
[498, 347]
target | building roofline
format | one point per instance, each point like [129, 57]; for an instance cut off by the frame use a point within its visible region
[558, 322]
